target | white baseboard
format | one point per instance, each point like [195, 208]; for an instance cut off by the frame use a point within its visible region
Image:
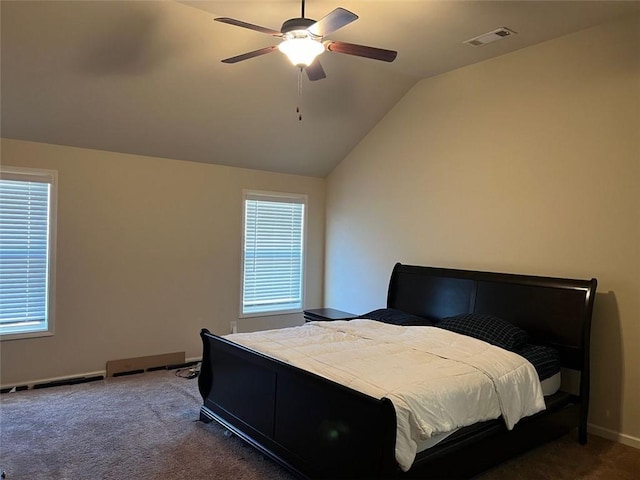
[613, 435]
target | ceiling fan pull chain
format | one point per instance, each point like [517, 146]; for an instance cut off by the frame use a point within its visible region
[299, 95]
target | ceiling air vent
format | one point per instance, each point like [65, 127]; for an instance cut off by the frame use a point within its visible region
[490, 37]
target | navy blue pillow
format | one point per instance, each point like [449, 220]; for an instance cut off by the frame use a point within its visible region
[546, 360]
[397, 317]
[488, 328]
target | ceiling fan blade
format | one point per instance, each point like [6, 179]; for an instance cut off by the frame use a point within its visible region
[250, 26]
[361, 51]
[331, 22]
[248, 55]
[315, 71]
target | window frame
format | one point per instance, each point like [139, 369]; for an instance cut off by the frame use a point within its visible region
[274, 197]
[50, 177]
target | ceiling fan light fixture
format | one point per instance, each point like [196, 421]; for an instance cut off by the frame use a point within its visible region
[300, 48]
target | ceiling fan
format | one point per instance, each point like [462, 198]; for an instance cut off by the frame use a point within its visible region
[304, 41]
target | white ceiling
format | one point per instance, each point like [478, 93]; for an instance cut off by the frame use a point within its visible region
[145, 77]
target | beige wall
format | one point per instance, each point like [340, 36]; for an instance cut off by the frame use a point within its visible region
[526, 163]
[148, 254]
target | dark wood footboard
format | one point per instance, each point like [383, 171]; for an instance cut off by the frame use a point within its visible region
[311, 425]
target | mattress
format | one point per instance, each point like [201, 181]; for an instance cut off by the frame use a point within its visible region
[551, 385]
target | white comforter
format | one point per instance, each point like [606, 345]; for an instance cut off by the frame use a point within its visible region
[437, 380]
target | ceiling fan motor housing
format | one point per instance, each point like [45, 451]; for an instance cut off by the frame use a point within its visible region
[296, 24]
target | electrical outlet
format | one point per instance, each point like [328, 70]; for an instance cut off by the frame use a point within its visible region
[234, 327]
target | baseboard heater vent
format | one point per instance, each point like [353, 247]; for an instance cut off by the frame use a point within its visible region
[69, 381]
[174, 367]
[53, 383]
[131, 366]
[17, 388]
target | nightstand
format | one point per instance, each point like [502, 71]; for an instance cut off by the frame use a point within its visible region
[326, 314]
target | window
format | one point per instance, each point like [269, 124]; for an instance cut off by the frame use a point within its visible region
[273, 253]
[27, 251]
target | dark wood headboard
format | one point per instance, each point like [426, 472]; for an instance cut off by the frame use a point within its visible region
[554, 311]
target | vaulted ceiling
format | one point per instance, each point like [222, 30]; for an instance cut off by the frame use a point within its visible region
[145, 77]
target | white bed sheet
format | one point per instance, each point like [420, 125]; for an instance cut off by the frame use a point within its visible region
[454, 380]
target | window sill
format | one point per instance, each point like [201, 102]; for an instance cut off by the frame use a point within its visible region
[275, 313]
[4, 337]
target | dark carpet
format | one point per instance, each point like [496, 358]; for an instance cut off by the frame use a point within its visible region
[146, 427]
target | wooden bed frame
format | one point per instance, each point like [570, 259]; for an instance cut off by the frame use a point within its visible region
[319, 429]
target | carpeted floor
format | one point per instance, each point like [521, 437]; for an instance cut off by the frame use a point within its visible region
[137, 427]
[566, 459]
[145, 427]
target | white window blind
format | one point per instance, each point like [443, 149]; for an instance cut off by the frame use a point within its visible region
[25, 255]
[273, 258]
